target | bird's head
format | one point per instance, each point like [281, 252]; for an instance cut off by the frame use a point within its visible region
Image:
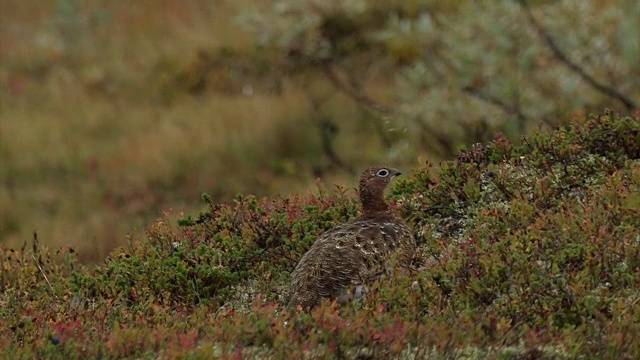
[373, 181]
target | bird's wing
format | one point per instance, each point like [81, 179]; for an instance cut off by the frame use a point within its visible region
[352, 253]
[333, 262]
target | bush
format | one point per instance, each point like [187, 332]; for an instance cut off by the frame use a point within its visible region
[525, 251]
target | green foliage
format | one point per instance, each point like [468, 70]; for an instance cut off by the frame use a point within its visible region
[199, 262]
[526, 251]
[141, 96]
[458, 73]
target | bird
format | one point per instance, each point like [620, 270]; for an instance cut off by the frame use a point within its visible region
[356, 252]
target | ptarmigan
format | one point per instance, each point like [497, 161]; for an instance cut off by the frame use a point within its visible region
[357, 251]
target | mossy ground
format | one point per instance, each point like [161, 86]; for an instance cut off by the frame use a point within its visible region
[527, 251]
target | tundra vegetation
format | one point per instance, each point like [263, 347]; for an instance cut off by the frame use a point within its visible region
[524, 199]
[525, 251]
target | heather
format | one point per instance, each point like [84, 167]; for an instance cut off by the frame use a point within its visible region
[527, 250]
[165, 164]
[112, 113]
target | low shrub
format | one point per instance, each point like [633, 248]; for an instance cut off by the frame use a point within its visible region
[527, 250]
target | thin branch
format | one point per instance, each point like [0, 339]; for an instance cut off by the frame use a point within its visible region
[358, 96]
[45, 275]
[476, 92]
[430, 135]
[608, 90]
[33, 256]
[353, 90]
[509, 109]
[328, 130]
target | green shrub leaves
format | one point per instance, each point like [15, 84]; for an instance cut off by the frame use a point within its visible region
[526, 251]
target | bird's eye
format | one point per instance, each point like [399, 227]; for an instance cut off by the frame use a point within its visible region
[383, 173]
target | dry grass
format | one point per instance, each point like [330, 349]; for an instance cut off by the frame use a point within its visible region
[88, 155]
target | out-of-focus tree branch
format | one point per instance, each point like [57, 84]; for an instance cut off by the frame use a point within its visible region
[509, 109]
[355, 94]
[608, 90]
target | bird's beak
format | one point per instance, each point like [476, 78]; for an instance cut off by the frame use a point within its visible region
[395, 172]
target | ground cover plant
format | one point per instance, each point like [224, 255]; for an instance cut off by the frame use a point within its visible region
[112, 112]
[527, 251]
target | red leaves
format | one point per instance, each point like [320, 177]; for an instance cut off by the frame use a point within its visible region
[65, 330]
[188, 340]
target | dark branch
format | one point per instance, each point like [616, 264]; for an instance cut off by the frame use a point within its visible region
[328, 131]
[610, 91]
[509, 109]
[359, 97]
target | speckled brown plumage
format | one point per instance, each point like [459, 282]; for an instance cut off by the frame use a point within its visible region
[357, 251]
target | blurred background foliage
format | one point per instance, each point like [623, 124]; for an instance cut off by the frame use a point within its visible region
[112, 113]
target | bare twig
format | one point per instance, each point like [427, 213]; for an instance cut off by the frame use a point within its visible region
[3, 281]
[354, 92]
[509, 109]
[608, 90]
[33, 256]
[430, 136]
[34, 245]
[358, 96]
[477, 93]
[328, 129]
[45, 275]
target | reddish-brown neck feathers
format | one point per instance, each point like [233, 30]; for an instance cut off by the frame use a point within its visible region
[372, 197]
[372, 184]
